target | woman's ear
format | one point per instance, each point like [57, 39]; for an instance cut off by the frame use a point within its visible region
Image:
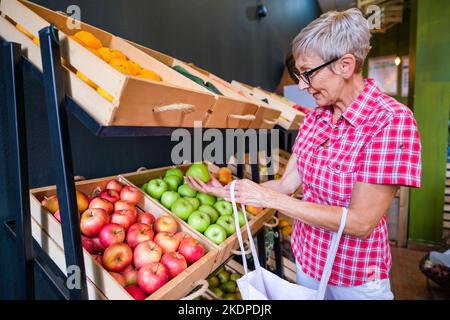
[346, 66]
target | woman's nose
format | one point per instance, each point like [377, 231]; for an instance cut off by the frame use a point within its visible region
[302, 85]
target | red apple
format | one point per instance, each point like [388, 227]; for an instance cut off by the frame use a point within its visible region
[57, 216]
[87, 244]
[114, 185]
[111, 234]
[110, 195]
[166, 224]
[167, 241]
[152, 276]
[131, 194]
[100, 203]
[145, 253]
[181, 235]
[137, 233]
[125, 218]
[92, 221]
[191, 249]
[124, 205]
[117, 257]
[120, 279]
[97, 245]
[174, 262]
[136, 292]
[146, 218]
[130, 275]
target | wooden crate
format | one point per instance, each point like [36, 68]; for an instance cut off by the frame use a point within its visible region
[231, 110]
[138, 179]
[230, 265]
[175, 102]
[289, 119]
[176, 288]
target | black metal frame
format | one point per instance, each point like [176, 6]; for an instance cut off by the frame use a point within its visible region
[57, 105]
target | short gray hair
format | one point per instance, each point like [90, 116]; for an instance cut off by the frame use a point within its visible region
[335, 34]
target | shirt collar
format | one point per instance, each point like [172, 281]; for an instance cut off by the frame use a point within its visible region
[359, 109]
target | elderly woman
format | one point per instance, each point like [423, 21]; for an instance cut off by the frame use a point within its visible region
[354, 151]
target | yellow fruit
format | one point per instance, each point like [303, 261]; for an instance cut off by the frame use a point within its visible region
[134, 67]
[86, 79]
[109, 54]
[122, 66]
[253, 210]
[88, 39]
[148, 74]
[286, 231]
[36, 41]
[225, 175]
[118, 55]
[283, 223]
[25, 31]
[105, 94]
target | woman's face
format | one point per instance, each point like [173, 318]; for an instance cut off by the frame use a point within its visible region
[325, 85]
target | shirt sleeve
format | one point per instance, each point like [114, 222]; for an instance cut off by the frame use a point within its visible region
[393, 156]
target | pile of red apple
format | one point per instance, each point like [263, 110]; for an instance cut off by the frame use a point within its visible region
[140, 251]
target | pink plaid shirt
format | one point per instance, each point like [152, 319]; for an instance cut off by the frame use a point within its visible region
[375, 141]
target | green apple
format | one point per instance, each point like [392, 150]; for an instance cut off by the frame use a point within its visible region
[185, 191]
[206, 198]
[241, 218]
[156, 188]
[227, 222]
[194, 201]
[224, 208]
[213, 282]
[200, 221]
[229, 296]
[168, 198]
[213, 214]
[224, 276]
[218, 292]
[182, 209]
[237, 296]
[198, 170]
[235, 276]
[174, 172]
[173, 182]
[144, 187]
[216, 233]
[220, 199]
[229, 286]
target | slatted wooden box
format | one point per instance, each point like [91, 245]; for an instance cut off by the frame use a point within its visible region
[174, 102]
[138, 179]
[51, 229]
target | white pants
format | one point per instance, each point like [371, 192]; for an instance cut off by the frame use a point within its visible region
[376, 290]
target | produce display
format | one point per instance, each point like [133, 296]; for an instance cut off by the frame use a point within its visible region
[223, 284]
[141, 251]
[203, 212]
[115, 58]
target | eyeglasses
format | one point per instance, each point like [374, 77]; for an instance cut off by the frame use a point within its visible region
[306, 76]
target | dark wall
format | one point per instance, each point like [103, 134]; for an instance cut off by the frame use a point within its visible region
[216, 35]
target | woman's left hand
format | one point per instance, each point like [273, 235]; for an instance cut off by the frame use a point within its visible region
[250, 193]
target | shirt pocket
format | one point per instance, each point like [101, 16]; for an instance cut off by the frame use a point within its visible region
[341, 177]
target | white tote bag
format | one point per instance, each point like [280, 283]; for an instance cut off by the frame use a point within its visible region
[262, 284]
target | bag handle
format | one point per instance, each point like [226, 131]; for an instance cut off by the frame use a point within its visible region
[331, 255]
[239, 234]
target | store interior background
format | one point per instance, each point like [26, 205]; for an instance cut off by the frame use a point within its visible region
[226, 38]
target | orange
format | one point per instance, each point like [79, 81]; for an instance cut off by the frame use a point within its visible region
[225, 175]
[118, 55]
[86, 79]
[134, 67]
[25, 31]
[122, 66]
[148, 74]
[88, 39]
[105, 94]
[283, 223]
[109, 54]
[286, 231]
[253, 210]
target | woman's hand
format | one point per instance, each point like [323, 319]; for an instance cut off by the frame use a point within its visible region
[212, 187]
[250, 193]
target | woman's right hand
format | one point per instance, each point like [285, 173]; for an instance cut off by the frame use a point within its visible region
[212, 187]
